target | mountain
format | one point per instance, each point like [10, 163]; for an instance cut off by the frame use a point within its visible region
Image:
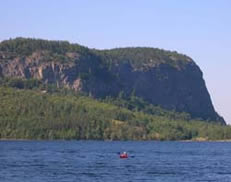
[162, 78]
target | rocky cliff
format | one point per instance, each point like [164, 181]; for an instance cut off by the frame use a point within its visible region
[163, 78]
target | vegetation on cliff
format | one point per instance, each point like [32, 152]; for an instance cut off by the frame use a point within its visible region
[58, 90]
[138, 57]
[61, 114]
[144, 57]
[25, 47]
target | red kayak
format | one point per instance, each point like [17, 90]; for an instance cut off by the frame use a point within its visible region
[123, 155]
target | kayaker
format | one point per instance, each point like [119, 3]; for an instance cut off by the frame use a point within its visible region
[124, 155]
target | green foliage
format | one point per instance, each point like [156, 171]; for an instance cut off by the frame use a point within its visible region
[138, 57]
[135, 104]
[25, 47]
[143, 57]
[30, 109]
[32, 114]
[20, 83]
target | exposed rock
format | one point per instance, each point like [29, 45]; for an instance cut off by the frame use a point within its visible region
[163, 78]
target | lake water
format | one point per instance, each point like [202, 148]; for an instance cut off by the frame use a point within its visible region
[89, 161]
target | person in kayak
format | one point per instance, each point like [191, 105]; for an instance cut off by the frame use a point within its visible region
[124, 155]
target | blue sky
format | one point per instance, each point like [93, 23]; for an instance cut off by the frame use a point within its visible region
[198, 28]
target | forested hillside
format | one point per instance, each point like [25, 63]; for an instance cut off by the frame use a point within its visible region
[56, 114]
[58, 90]
[162, 78]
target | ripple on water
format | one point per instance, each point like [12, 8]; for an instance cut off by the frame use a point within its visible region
[89, 161]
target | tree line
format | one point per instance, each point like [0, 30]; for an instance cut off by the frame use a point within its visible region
[33, 114]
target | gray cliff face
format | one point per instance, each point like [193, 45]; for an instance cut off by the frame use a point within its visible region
[181, 90]
[176, 88]
[52, 72]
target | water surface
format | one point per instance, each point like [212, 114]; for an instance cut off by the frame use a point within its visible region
[89, 161]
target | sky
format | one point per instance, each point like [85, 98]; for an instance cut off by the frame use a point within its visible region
[200, 29]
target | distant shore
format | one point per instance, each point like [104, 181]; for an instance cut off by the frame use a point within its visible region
[192, 140]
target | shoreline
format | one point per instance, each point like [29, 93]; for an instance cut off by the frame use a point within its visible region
[193, 140]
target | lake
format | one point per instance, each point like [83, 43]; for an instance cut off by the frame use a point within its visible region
[89, 161]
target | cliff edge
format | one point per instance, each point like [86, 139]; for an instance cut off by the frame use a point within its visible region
[164, 78]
